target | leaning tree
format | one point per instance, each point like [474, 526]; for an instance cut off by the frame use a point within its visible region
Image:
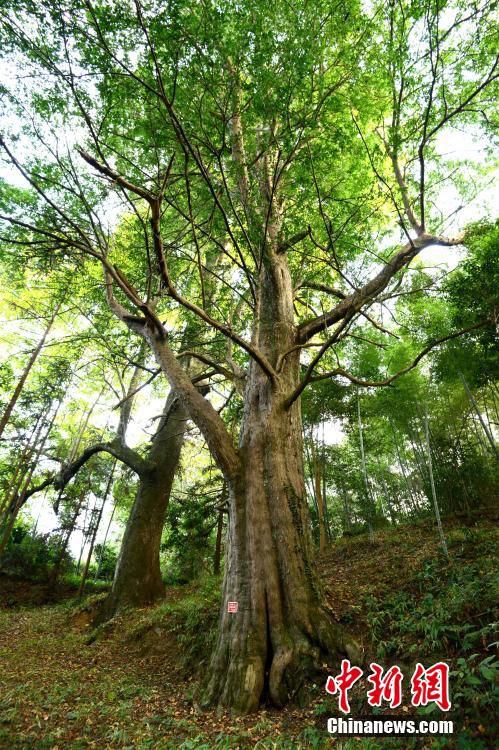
[294, 152]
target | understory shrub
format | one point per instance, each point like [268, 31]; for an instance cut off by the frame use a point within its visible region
[29, 554]
[193, 619]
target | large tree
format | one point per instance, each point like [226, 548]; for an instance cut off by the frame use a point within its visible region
[293, 152]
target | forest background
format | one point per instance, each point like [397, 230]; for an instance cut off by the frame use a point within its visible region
[249, 297]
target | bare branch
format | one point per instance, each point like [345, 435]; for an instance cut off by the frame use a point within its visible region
[115, 448]
[387, 381]
[115, 177]
[368, 292]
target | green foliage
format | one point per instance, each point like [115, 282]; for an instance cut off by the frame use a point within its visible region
[192, 517]
[448, 611]
[440, 609]
[475, 687]
[472, 296]
[106, 557]
[29, 554]
[343, 108]
[194, 619]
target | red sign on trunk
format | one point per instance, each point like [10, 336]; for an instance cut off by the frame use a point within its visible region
[232, 607]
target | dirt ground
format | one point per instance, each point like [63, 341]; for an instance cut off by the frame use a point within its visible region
[63, 689]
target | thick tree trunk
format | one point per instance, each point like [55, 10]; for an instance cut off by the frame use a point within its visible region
[137, 580]
[280, 630]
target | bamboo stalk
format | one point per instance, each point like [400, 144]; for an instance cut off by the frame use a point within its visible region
[364, 472]
[432, 483]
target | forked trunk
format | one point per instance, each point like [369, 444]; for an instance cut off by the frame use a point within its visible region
[280, 631]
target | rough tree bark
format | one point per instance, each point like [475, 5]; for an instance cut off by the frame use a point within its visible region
[137, 580]
[280, 631]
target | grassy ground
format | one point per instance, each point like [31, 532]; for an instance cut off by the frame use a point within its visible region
[133, 683]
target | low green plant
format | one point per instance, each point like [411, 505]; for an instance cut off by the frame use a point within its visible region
[29, 554]
[475, 683]
[446, 612]
[445, 606]
[192, 619]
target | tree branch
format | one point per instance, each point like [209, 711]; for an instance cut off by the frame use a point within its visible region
[115, 448]
[387, 381]
[210, 362]
[155, 204]
[199, 409]
[105, 170]
[359, 298]
[293, 240]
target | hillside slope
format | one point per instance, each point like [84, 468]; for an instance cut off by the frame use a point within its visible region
[133, 684]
